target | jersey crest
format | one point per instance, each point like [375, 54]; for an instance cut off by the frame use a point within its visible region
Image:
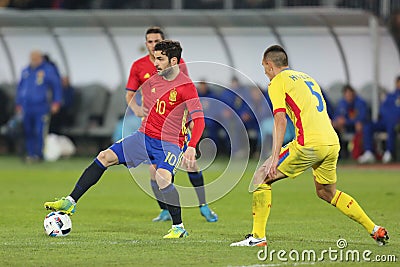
[39, 77]
[172, 96]
[147, 75]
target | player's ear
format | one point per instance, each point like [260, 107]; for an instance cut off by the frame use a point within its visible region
[174, 61]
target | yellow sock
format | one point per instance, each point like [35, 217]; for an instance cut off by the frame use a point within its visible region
[261, 208]
[351, 209]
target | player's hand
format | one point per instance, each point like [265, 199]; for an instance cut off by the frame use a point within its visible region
[189, 157]
[358, 127]
[55, 107]
[265, 167]
[140, 111]
[18, 109]
[273, 168]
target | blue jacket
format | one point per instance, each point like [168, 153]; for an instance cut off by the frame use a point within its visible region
[353, 112]
[329, 106]
[390, 108]
[235, 101]
[207, 101]
[33, 86]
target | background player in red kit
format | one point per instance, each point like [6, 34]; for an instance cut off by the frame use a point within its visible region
[141, 70]
[172, 97]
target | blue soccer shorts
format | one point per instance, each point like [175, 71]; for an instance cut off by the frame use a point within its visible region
[139, 148]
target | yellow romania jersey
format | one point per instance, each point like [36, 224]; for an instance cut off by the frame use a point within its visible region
[299, 95]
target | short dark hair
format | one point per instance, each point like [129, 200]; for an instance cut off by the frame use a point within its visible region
[170, 49]
[398, 79]
[276, 54]
[348, 87]
[156, 30]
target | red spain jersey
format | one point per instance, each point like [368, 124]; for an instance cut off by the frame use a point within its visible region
[142, 69]
[169, 103]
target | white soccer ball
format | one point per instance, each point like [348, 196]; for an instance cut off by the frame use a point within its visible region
[57, 224]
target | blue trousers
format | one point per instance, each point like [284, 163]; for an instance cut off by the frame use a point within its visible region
[387, 126]
[35, 126]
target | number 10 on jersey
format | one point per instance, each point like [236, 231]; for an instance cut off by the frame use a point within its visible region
[160, 106]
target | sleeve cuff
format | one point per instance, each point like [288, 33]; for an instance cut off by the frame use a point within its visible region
[279, 110]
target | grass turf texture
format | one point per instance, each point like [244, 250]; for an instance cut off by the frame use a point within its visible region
[112, 225]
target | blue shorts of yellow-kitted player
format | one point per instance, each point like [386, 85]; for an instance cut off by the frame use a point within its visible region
[294, 159]
[139, 148]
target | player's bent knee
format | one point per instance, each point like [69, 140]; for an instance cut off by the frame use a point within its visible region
[108, 158]
[163, 178]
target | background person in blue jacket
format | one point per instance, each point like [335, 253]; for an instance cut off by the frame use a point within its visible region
[389, 119]
[237, 99]
[32, 102]
[350, 115]
[209, 101]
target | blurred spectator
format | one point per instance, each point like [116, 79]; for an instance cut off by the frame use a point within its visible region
[47, 59]
[32, 103]
[329, 107]
[207, 99]
[350, 115]
[237, 99]
[65, 117]
[258, 110]
[389, 119]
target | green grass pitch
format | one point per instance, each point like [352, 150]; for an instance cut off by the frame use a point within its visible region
[112, 225]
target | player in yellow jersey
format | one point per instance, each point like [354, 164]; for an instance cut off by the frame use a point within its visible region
[316, 146]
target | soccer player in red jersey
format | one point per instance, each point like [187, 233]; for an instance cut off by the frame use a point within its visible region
[141, 70]
[172, 97]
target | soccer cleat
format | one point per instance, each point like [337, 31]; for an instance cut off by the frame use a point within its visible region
[176, 232]
[380, 236]
[163, 216]
[387, 157]
[207, 213]
[250, 241]
[62, 205]
[367, 157]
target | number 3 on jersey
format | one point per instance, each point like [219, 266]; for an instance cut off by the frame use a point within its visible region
[320, 106]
